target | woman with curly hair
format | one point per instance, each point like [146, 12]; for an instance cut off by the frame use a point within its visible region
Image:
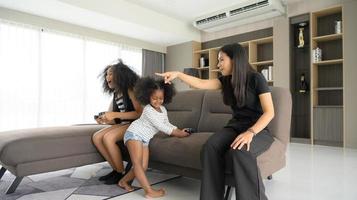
[153, 94]
[119, 80]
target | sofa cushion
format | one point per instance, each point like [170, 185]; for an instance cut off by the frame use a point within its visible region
[215, 114]
[185, 109]
[29, 145]
[184, 152]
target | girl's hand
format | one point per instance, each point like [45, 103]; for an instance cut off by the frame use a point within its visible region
[243, 139]
[168, 76]
[179, 133]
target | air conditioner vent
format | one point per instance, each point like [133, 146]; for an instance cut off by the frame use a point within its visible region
[249, 7]
[212, 18]
[243, 13]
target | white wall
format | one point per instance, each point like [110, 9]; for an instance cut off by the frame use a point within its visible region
[178, 57]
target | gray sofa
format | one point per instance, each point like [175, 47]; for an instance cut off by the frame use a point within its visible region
[32, 151]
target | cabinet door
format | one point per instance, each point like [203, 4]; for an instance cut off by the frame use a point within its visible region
[328, 125]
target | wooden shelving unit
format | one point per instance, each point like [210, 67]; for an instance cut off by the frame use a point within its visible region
[327, 79]
[300, 65]
[260, 53]
[209, 71]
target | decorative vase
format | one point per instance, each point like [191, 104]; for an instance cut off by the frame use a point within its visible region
[301, 35]
[338, 27]
[316, 55]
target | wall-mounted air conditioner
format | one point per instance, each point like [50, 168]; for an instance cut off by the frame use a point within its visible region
[247, 12]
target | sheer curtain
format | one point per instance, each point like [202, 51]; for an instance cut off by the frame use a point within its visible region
[49, 78]
[97, 56]
[19, 76]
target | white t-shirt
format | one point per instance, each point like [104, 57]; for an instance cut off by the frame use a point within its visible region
[151, 122]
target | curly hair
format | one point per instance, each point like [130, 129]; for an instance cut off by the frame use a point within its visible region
[124, 78]
[145, 87]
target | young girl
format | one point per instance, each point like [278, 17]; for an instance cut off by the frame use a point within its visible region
[153, 94]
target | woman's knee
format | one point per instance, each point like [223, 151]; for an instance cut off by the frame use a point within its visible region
[109, 139]
[97, 138]
[212, 144]
[238, 154]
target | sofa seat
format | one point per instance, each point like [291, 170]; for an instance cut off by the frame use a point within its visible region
[183, 152]
[39, 144]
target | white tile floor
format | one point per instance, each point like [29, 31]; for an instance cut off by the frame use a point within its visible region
[312, 173]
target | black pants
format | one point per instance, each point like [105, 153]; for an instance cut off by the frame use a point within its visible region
[248, 182]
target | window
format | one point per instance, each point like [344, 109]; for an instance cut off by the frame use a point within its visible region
[51, 79]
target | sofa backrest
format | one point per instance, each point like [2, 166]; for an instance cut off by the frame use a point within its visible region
[215, 114]
[185, 109]
[205, 111]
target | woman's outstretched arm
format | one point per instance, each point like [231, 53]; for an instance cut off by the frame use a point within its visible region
[211, 84]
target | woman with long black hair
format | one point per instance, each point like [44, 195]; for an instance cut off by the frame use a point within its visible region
[245, 136]
[119, 80]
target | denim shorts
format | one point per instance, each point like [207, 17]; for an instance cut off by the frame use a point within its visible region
[133, 136]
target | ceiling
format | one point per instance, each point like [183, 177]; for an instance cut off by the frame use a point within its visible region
[161, 22]
[186, 10]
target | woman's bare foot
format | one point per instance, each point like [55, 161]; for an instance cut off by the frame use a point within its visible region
[123, 184]
[152, 193]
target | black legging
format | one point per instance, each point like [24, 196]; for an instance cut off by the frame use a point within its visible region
[248, 182]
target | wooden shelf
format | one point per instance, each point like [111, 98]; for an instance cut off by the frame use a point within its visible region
[328, 11]
[215, 70]
[257, 49]
[267, 62]
[329, 62]
[327, 37]
[263, 40]
[204, 51]
[328, 88]
[202, 68]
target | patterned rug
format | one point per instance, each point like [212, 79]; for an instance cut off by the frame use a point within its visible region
[62, 184]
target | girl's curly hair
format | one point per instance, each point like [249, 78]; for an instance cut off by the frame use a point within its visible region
[145, 87]
[124, 78]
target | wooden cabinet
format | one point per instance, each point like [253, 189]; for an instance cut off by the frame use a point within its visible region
[318, 113]
[207, 70]
[327, 77]
[260, 55]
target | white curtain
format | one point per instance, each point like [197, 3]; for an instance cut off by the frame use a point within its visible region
[51, 79]
[97, 56]
[19, 77]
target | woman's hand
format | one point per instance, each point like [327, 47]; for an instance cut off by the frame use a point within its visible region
[179, 133]
[168, 76]
[243, 139]
[109, 116]
[99, 121]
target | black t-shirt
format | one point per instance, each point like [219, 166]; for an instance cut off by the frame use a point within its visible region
[247, 115]
[122, 104]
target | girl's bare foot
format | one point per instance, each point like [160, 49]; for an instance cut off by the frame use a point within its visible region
[125, 186]
[152, 193]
